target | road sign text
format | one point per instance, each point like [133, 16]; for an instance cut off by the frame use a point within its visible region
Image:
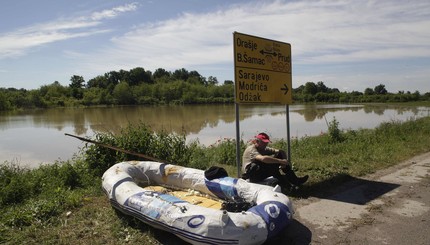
[254, 76]
[262, 70]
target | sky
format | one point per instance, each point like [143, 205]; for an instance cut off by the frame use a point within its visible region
[347, 44]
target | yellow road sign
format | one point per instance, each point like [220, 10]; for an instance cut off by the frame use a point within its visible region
[262, 70]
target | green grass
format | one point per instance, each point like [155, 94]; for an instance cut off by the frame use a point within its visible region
[63, 203]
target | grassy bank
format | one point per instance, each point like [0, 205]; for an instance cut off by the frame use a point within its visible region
[63, 203]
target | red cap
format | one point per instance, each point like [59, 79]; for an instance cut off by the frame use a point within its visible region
[263, 137]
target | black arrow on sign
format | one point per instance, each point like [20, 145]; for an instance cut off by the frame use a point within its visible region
[265, 52]
[285, 88]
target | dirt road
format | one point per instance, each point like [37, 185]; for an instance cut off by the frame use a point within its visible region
[389, 207]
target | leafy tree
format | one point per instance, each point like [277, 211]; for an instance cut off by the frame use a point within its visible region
[143, 94]
[181, 74]
[15, 98]
[310, 88]
[164, 79]
[159, 73]
[138, 75]
[188, 97]
[212, 80]
[36, 99]
[380, 89]
[194, 80]
[228, 82]
[77, 84]
[416, 95]
[113, 78]
[369, 91]
[96, 96]
[4, 102]
[321, 87]
[356, 93]
[98, 82]
[124, 75]
[174, 90]
[334, 90]
[55, 94]
[224, 91]
[298, 91]
[197, 76]
[122, 94]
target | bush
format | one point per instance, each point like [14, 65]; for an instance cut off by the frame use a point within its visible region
[18, 185]
[161, 146]
[14, 185]
[223, 152]
[167, 148]
[335, 134]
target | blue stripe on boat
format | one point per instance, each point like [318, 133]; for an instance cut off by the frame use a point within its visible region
[224, 188]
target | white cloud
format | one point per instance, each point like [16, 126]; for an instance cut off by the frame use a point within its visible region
[319, 31]
[20, 42]
[111, 13]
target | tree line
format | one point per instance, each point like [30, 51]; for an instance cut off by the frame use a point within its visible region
[143, 87]
[319, 92]
[134, 87]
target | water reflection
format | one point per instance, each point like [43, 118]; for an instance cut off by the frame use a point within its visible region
[38, 135]
[312, 112]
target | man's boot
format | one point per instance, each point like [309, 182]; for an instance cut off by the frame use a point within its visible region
[292, 177]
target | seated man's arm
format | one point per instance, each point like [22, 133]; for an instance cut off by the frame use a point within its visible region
[271, 160]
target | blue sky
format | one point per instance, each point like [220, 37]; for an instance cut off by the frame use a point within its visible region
[347, 44]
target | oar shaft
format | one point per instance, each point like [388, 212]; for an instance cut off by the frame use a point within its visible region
[115, 148]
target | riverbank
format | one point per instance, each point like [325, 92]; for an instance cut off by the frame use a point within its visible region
[63, 203]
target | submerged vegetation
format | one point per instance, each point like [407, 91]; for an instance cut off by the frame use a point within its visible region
[63, 203]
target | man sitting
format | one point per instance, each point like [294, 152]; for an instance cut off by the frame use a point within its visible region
[260, 162]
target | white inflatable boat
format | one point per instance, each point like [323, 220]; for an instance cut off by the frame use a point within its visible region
[126, 185]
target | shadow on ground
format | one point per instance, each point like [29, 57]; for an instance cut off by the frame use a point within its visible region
[295, 234]
[335, 189]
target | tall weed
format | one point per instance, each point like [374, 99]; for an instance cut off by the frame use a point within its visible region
[334, 132]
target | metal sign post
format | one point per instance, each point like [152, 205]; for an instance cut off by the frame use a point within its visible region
[238, 155]
[287, 113]
[262, 70]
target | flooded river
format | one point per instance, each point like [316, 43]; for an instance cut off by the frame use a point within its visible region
[37, 136]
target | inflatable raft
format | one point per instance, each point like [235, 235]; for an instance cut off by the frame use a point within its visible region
[128, 186]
